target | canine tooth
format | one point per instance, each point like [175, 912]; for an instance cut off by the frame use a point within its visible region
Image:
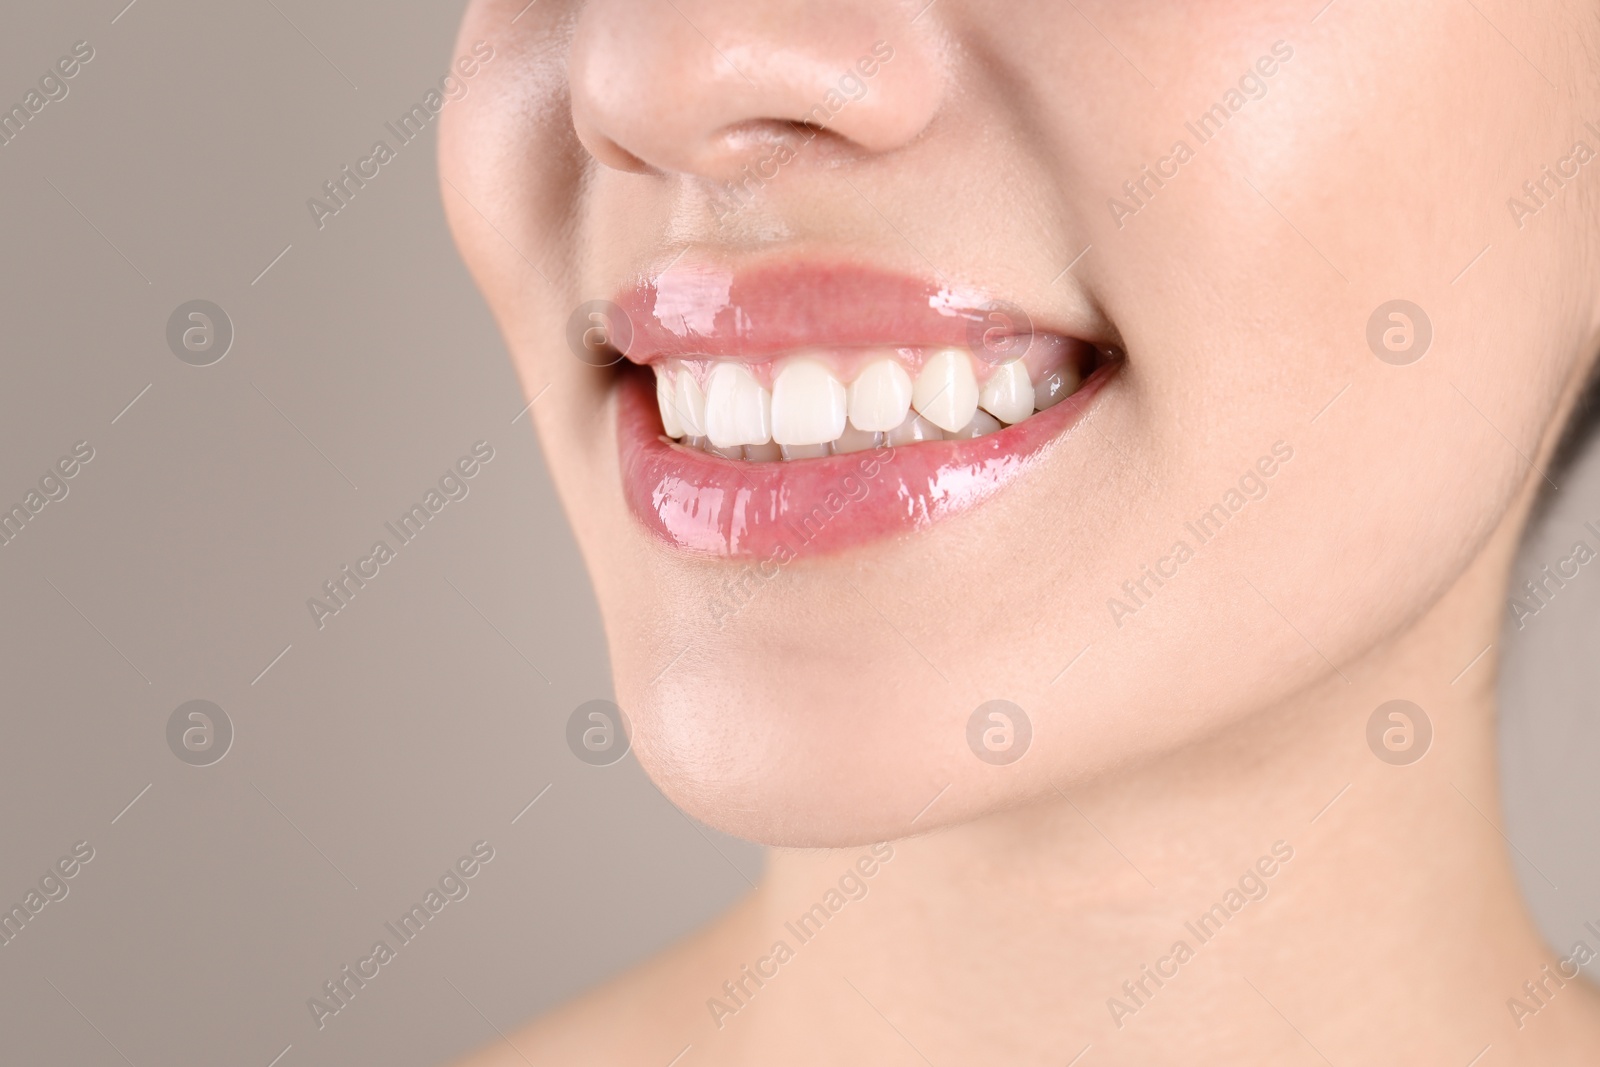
[738, 409]
[803, 451]
[1054, 387]
[696, 443]
[666, 401]
[808, 404]
[691, 404]
[1008, 394]
[880, 396]
[854, 440]
[914, 429]
[982, 423]
[946, 392]
[767, 453]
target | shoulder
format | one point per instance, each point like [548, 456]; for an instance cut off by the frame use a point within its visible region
[648, 1014]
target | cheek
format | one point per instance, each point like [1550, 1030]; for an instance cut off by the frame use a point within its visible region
[1313, 208]
[509, 166]
[512, 132]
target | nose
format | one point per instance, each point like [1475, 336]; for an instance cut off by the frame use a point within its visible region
[692, 86]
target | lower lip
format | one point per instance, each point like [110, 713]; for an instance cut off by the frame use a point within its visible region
[718, 507]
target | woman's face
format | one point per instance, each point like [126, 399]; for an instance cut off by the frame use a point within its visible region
[1211, 212]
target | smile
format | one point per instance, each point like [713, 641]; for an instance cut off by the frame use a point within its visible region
[817, 408]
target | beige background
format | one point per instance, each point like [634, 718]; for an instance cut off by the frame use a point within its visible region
[426, 715]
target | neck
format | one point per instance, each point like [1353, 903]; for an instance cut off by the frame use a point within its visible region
[1279, 891]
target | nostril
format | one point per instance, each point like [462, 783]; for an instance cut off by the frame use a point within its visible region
[653, 92]
[759, 137]
[752, 135]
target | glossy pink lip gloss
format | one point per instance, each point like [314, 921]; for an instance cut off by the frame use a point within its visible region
[719, 507]
[758, 313]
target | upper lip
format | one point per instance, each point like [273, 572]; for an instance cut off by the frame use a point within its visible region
[751, 314]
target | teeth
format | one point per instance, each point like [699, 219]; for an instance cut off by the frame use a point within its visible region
[1054, 388]
[982, 423]
[738, 409]
[1008, 394]
[803, 451]
[810, 414]
[854, 440]
[914, 429]
[808, 404]
[880, 396]
[946, 392]
[690, 404]
[667, 402]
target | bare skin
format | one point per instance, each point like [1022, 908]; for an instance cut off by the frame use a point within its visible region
[1395, 934]
[1213, 742]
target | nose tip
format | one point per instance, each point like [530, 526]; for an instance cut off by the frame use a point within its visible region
[670, 86]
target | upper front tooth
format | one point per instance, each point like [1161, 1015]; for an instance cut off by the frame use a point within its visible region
[1008, 394]
[808, 404]
[738, 409]
[690, 404]
[946, 392]
[880, 396]
[668, 404]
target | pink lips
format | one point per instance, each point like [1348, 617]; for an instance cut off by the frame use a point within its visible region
[778, 511]
[759, 313]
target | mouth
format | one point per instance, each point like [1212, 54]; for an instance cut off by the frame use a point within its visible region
[804, 409]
